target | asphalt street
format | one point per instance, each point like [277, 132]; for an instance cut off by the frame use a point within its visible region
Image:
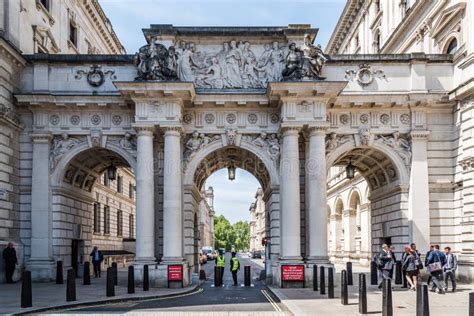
[207, 298]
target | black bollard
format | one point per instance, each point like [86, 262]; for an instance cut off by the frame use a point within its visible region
[114, 269]
[344, 290]
[59, 272]
[110, 282]
[322, 281]
[362, 294]
[315, 277]
[131, 280]
[387, 306]
[71, 286]
[330, 283]
[471, 304]
[26, 292]
[202, 274]
[216, 276]
[422, 302]
[398, 272]
[350, 280]
[146, 279]
[87, 273]
[373, 273]
[247, 276]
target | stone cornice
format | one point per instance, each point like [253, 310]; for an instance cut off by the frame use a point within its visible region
[11, 52]
[10, 117]
[467, 164]
[420, 134]
[41, 137]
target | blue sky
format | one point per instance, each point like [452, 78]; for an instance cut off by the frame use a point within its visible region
[232, 199]
[129, 16]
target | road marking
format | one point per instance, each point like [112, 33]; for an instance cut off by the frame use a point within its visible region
[270, 299]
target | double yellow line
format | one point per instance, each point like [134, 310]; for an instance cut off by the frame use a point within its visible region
[271, 300]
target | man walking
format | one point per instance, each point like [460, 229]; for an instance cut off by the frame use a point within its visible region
[234, 267]
[426, 264]
[436, 261]
[97, 259]
[404, 267]
[385, 263]
[9, 255]
[449, 269]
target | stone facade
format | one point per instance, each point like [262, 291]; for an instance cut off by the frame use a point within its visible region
[206, 218]
[257, 222]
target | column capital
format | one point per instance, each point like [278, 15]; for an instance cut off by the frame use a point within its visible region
[145, 130]
[289, 130]
[41, 137]
[317, 130]
[420, 134]
[172, 130]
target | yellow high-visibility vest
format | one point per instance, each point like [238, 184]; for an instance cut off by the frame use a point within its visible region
[220, 261]
[235, 266]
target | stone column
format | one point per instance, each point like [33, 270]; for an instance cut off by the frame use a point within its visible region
[145, 231]
[172, 197]
[290, 196]
[419, 207]
[41, 262]
[316, 175]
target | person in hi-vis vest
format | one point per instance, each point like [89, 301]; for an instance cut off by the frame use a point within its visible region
[220, 262]
[234, 267]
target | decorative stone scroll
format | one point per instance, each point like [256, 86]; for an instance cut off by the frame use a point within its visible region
[62, 144]
[269, 142]
[196, 142]
[399, 143]
[95, 75]
[365, 75]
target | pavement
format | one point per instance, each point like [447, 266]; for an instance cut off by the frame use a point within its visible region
[307, 302]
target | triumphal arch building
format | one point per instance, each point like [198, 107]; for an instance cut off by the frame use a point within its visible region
[197, 99]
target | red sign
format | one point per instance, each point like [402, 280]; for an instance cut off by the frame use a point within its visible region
[292, 273]
[175, 273]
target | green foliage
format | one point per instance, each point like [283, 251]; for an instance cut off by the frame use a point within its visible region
[228, 236]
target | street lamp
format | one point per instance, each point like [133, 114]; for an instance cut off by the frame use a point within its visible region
[350, 170]
[231, 171]
[111, 171]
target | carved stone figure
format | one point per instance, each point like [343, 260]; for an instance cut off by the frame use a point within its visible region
[213, 77]
[261, 140]
[277, 62]
[196, 142]
[231, 136]
[269, 142]
[399, 144]
[364, 135]
[233, 61]
[304, 62]
[334, 141]
[187, 63]
[61, 145]
[127, 142]
[153, 62]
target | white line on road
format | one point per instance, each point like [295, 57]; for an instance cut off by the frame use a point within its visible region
[270, 299]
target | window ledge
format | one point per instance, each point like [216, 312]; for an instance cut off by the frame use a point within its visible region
[45, 11]
[72, 45]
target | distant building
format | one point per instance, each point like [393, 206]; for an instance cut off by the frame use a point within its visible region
[257, 222]
[206, 218]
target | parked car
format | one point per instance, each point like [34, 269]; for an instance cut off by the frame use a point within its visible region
[257, 254]
[208, 252]
[222, 250]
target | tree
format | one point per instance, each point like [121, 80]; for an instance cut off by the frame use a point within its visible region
[228, 236]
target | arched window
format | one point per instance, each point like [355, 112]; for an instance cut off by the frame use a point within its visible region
[452, 47]
[377, 42]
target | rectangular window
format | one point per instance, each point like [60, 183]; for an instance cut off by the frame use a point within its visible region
[106, 219]
[96, 217]
[130, 190]
[73, 33]
[119, 184]
[131, 226]
[106, 179]
[45, 4]
[119, 224]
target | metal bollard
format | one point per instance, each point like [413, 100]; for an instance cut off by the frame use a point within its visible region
[315, 277]
[110, 282]
[146, 279]
[87, 273]
[362, 294]
[59, 272]
[350, 280]
[344, 290]
[131, 280]
[247, 276]
[26, 292]
[422, 302]
[330, 282]
[202, 274]
[322, 281]
[114, 269]
[387, 305]
[398, 272]
[374, 279]
[71, 286]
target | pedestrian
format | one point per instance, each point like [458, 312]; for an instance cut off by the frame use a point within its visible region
[404, 271]
[392, 250]
[234, 267]
[410, 265]
[449, 269]
[385, 262]
[9, 256]
[97, 259]
[220, 263]
[426, 264]
[436, 261]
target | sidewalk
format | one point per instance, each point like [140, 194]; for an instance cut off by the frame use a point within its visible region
[52, 295]
[307, 302]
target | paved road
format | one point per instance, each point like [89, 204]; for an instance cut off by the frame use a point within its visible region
[208, 298]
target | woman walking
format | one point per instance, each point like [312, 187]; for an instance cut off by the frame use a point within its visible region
[410, 265]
